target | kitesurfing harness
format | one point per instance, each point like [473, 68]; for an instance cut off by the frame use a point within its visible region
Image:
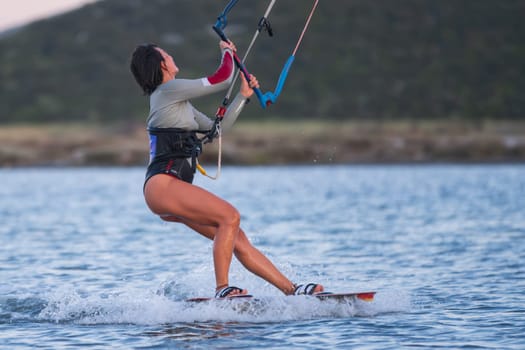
[173, 151]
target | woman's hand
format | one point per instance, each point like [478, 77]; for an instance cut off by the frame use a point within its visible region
[247, 88]
[227, 45]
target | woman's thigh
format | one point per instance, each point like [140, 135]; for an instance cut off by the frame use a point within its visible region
[168, 196]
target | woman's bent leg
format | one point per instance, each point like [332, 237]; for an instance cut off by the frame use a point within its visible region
[168, 196]
[216, 219]
[253, 259]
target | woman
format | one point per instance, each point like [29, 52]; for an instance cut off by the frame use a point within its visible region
[174, 147]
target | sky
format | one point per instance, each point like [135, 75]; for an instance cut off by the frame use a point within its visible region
[19, 12]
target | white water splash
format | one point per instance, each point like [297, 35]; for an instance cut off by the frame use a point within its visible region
[149, 308]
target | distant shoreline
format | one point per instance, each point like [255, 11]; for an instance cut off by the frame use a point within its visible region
[275, 142]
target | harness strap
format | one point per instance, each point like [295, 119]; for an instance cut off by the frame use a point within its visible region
[178, 143]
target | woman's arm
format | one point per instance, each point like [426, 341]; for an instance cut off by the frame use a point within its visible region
[177, 90]
[238, 103]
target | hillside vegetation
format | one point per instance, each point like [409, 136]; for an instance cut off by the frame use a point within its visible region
[360, 60]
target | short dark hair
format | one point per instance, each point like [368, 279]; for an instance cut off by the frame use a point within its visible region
[145, 66]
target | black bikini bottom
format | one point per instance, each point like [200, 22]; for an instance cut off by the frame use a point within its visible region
[178, 167]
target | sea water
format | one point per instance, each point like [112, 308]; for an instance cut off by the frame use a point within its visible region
[83, 263]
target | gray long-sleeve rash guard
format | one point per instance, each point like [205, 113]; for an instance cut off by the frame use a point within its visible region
[170, 106]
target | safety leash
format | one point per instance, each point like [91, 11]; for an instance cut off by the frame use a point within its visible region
[218, 134]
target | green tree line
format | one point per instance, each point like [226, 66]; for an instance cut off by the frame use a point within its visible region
[360, 59]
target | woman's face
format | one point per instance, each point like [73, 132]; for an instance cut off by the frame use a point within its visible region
[168, 65]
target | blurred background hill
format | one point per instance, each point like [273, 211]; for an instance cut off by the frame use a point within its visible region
[360, 59]
[406, 60]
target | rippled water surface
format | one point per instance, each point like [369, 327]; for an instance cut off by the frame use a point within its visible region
[83, 263]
